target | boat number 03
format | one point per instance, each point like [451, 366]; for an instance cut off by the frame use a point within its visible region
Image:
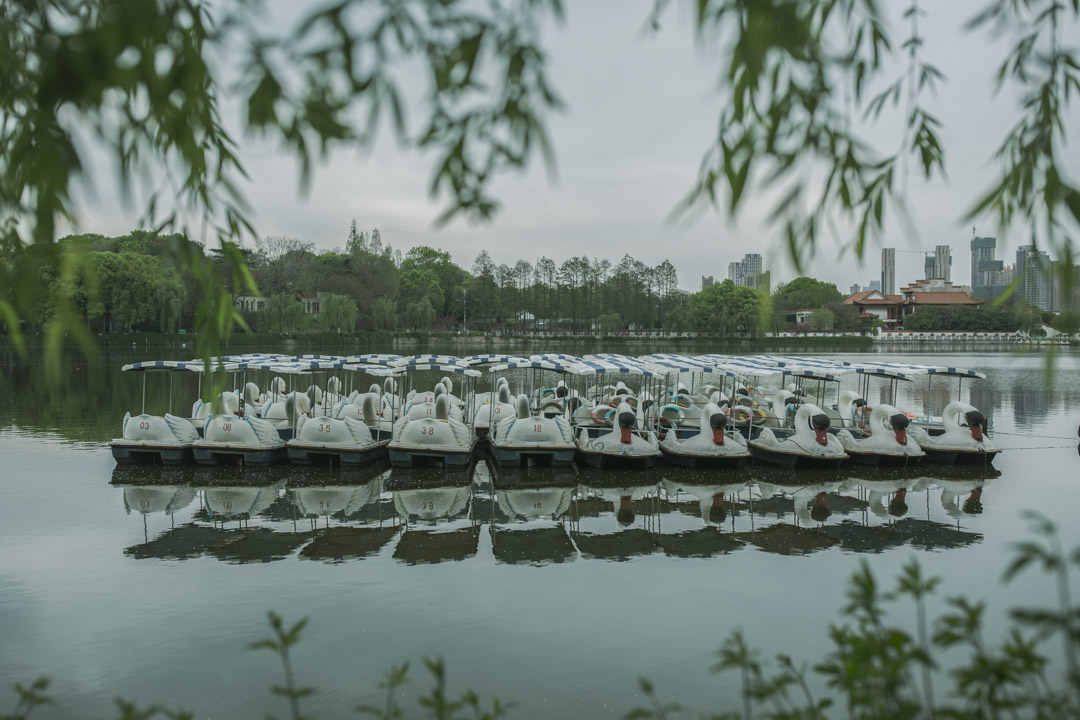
[144, 425]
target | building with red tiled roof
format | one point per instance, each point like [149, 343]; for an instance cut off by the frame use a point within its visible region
[892, 309]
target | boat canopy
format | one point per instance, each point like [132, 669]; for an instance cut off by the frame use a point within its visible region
[891, 373]
[426, 359]
[190, 365]
[554, 365]
[372, 369]
[670, 366]
[440, 367]
[597, 367]
[915, 369]
[556, 356]
[489, 358]
[373, 358]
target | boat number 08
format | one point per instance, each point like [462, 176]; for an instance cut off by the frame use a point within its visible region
[227, 427]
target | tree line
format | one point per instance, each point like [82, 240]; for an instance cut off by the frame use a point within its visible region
[128, 283]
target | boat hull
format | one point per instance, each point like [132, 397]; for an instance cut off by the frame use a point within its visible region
[960, 457]
[625, 461]
[315, 455]
[704, 461]
[883, 459]
[524, 457]
[407, 458]
[226, 455]
[147, 454]
[795, 460]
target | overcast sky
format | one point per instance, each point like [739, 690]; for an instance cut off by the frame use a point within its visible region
[641, 111]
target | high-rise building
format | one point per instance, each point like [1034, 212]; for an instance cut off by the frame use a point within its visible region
[983, 250]
[706, 281]
[874, 285]
[734, 272]
[943, 262]
[888, 271]
[853, 289]
[1033, 272]
[929, 266]
[747, 271]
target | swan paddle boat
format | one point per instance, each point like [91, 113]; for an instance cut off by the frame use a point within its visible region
[435, 432]
[713, 445]
[356, 432]
[964, 439]
[810, 444]
[888, 441]
[609, 427]
[167, 439]
[534, 435]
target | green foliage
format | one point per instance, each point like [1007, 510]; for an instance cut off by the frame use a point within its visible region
[822, 320]
[610, 323]
[726, 308]
[420, 315]
[338, 313]
[805, 293]
[383, 314]
[1067, 322]
[963, 318]
[283, 314]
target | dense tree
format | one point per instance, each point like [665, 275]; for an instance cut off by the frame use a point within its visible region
[804, 293]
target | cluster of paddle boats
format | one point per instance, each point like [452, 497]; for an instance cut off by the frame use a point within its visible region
[603, 410]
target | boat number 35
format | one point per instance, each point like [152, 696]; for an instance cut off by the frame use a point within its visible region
[325, 428]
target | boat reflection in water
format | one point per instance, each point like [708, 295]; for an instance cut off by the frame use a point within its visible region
[542, 516]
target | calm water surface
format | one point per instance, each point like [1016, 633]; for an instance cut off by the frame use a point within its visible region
[552, 588]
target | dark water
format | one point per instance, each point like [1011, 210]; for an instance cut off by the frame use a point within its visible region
[553, 588]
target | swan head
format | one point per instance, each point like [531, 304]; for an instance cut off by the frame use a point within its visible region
[440, 390]
[388, 386]
[561, 390]
[375, 389]
[278, 385]
[621, 389]
[523, 407]
[448, 384]
[898, 504]
[627, 420]
[976, 423]
[504, 394]
[819, 423]
[333, 385]
[681, 389]
[899, 422]
[714, 419]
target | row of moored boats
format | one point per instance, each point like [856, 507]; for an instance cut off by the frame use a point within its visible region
[603, 410]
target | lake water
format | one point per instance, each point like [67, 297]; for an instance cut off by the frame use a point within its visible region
[150, 583]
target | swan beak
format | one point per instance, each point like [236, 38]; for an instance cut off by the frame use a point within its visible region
[901, 435]
[976, 433]
[821, 436]
[625, 435]
[718, 436]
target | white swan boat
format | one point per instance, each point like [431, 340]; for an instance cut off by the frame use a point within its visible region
[609, 428]
[964, 439]
[539, 435]
[810, 443]
[536, 437]
[888, 443]
[345, 437]
[168, 439]
[713, 445]
[714, 501]
[438, 436]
